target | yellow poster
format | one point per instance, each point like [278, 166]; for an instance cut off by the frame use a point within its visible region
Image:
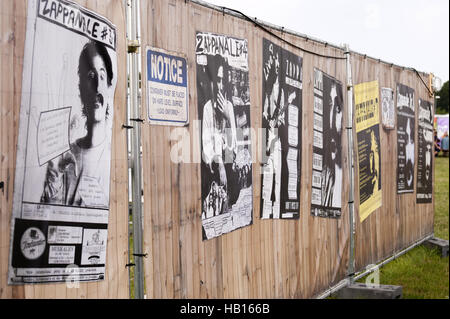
[368, 140]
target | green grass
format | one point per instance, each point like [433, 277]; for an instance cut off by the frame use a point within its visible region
[441, 197]
[421, 272]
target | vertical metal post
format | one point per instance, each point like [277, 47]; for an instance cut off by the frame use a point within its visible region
[136, 170]
[351, 167]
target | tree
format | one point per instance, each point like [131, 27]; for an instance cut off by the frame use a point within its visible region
[442, 102]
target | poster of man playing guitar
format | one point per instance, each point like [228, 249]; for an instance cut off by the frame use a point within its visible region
[281, 122]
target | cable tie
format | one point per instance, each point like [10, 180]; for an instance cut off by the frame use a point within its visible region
[140, 255]
[127, 126]
[137, 120]
[130, 265]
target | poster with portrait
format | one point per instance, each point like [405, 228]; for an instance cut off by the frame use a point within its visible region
[62, 177]
[424, 191]
[326, 194]
[224, 111]
[387, 108]
[282, 132]
[405, 139]
[367, 119]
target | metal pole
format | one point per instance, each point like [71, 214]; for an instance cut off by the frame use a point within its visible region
[133, 45]
[351, 266]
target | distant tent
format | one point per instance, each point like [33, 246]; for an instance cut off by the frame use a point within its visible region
[441, 124]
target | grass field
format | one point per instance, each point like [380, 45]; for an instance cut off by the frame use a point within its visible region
[421, 272]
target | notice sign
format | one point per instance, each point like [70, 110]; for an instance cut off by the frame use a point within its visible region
[167, 88]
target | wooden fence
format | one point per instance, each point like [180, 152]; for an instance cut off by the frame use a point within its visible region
[268, 259]
[271, 258]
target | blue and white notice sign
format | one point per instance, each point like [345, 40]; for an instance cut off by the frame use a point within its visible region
[167, 88]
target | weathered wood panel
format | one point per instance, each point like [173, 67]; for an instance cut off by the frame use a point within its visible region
[400, 221]
[270, 258]
[12, 39]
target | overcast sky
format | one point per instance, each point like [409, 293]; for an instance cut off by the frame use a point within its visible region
[410, 33]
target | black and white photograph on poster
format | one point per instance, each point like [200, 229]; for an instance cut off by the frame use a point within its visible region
[387, 108]
[327, 146]
[281, 123]
[405, 139]
[424, 191]
[224, 110]
[64, 146]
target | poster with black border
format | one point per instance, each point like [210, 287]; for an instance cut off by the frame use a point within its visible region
[167, 88]
[62, 178]
[387, 109]
[326, 193]
[367, 119]
[282, 132]
[224, 111]
[424, 191]
[405, 139]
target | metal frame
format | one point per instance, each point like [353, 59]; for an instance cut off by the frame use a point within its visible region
[347, 281]
[351, 166]
[134, 140]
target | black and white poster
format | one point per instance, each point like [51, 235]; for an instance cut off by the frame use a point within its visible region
[424, 190]
[62, 178]
[405, 139]
[327, 146]
[387, 108]
[282, 129]
[224, 110]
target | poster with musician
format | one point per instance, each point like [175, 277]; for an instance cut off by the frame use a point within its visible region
[367, 119]
[224, 111]
[62, 176]
[424, 191]
[326, 195]
[405, 139]
[282, 132]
